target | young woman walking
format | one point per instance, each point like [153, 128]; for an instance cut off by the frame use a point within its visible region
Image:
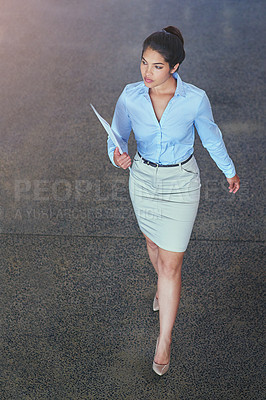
[164, 181]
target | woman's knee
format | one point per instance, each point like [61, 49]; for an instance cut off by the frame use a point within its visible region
[170, 267]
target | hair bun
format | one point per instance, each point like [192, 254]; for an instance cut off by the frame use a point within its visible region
[174, 31]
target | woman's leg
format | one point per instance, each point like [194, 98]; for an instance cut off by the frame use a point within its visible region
[169, 290]
[153, 251]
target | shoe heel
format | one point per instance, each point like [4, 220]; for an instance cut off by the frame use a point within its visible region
[155, 305]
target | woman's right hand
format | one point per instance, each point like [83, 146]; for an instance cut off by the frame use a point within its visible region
[121, 160]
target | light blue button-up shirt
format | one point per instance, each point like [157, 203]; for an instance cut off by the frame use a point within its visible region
[171, 140]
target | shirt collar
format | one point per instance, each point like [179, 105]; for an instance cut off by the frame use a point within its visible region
[179, 85]
[180, 90]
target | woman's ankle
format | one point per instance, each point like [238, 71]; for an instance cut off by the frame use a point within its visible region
[165, 339]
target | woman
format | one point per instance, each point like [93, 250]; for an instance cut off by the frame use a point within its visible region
[164, 179]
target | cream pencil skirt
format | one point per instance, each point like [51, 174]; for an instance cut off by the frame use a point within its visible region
[165, 201]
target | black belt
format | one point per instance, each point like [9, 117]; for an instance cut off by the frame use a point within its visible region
[152, 164]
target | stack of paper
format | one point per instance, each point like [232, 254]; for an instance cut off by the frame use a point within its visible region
[115, 137]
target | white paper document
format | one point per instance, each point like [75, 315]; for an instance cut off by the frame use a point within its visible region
[116, 139]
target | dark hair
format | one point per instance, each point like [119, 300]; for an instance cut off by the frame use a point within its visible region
[169, 43]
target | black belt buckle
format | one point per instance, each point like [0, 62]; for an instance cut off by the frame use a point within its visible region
[152, 164]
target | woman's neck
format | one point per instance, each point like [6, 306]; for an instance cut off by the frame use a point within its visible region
[168, 87]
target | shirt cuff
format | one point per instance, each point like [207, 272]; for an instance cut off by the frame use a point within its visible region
[231, 173]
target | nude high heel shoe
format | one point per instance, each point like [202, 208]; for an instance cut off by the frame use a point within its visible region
[155, 305]
[159, 369]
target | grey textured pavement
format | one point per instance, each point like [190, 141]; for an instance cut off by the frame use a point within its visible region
[76, 283]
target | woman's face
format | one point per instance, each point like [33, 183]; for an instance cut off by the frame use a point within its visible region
[154, 69]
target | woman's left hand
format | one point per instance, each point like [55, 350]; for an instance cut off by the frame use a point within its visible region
[234, 184]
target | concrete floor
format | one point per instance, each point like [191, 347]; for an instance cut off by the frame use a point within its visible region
[77, 286]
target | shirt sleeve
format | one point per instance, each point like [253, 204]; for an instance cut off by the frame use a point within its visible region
[121, 124]
[211, 138]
